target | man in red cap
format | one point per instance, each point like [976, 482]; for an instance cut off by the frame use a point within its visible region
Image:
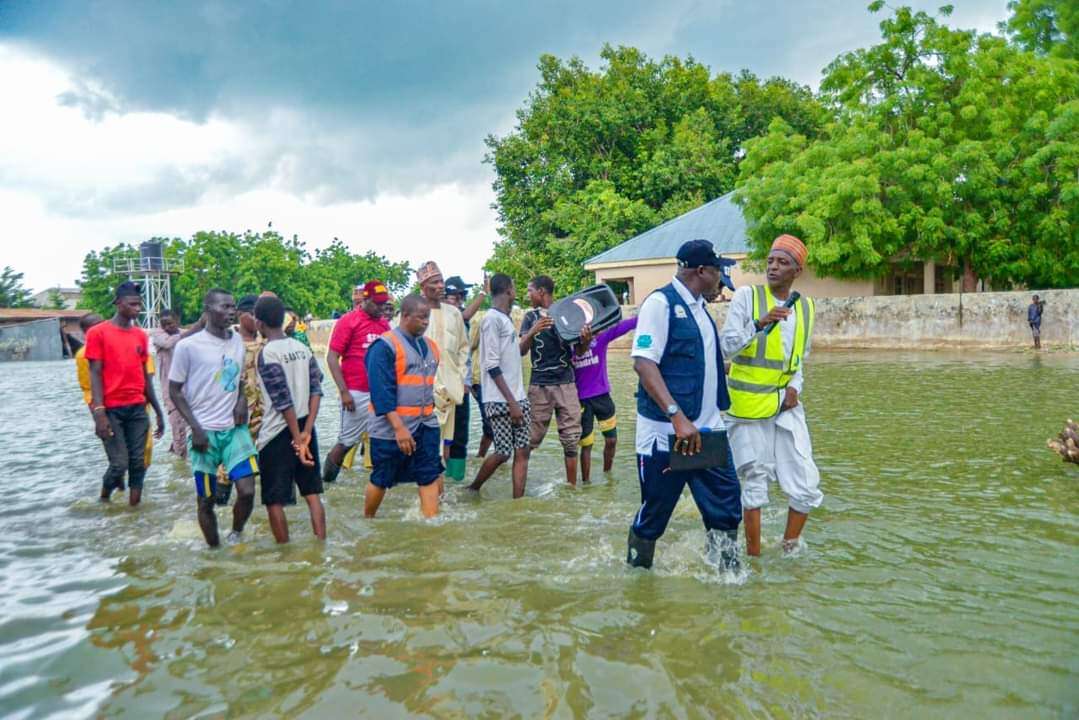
[352, 335]
[767, 336]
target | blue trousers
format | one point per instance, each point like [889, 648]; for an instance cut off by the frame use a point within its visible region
[715, 490]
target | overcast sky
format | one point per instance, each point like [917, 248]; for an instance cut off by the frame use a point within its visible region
[360, 120]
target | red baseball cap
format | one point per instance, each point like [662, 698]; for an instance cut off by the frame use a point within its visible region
[376, 290]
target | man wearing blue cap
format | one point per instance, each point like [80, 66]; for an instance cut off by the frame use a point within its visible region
[676, 355]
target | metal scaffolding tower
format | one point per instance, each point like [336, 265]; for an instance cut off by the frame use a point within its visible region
[154, 273]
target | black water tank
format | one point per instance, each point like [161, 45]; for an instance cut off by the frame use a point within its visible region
[151, 256]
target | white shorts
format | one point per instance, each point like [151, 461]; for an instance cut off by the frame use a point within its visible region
[775, 449]
[354, 424]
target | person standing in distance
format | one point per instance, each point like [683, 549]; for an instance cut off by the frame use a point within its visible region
[768, 344]
[206, 383]
[121, 383]
[676, 354]
[1034, 318]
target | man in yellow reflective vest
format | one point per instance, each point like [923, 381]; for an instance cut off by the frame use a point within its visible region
[767, 336]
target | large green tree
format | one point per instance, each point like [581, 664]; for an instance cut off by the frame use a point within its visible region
[598, 156]
[248, 264]
[946, 145]
[1048, 27]
[12, 292]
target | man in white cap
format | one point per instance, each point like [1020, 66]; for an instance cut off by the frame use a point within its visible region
[447, 329]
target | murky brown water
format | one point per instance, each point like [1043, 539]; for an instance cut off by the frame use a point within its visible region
[939, 580]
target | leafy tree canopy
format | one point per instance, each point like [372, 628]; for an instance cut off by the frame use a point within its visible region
[12, 292]
[598, 156]
[318, 283]
[1047, 27]
[946, 145]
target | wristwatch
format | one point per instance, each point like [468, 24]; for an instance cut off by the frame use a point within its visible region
[672, 410]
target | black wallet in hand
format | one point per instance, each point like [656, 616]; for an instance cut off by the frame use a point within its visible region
[714, 452]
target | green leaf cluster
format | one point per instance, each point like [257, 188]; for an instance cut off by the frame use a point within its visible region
[945, 145]
[599, 156]
[1047, 27]
[12, 292]
[250, 263]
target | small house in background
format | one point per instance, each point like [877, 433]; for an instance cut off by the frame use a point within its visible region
[69, 296]
[646, 262]
[35, 334]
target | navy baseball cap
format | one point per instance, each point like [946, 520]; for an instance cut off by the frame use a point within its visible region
[247, 303]
[127, 289]
[456, 286]
[698, 253]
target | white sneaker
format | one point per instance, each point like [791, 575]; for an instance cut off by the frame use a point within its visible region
[234, 537]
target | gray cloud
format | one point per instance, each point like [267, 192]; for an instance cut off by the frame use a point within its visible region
[383, 96]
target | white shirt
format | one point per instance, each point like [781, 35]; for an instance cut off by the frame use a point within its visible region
[210, 369]
[649, 342]
[738, 331]
[499, 348]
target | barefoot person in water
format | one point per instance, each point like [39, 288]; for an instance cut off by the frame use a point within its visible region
[291, 386]
[505, 403]
[121, 384]
[405, 436]
[206, 385]
[768, 343]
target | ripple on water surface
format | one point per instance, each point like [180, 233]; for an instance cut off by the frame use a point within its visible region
[938, 580]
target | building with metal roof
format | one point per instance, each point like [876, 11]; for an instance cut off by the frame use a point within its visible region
[646, 262]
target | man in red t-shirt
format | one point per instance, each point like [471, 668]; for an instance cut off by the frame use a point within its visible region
[120, 387]
[352, 335]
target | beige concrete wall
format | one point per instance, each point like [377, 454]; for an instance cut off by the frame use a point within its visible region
[927, 322]
[908, 322]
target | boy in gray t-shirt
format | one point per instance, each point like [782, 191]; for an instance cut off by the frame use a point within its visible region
[291, 385]
[504, 399]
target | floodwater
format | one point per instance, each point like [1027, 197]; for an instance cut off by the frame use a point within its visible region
[939, 580]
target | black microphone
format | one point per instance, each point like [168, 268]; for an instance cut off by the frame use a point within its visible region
[794, 297]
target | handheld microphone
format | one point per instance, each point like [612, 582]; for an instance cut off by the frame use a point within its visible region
[794, 297]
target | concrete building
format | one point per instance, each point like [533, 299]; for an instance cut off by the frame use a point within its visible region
[35, 334]
[646, 262]
[71, 297]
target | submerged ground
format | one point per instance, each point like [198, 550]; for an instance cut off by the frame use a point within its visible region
[938, 580]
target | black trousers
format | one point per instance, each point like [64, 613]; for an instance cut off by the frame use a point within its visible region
[126, 448]
[459, 444]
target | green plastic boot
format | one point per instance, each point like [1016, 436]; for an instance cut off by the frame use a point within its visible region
[455, 469]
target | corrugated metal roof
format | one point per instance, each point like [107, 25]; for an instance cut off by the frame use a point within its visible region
[720, 221]
[15, 314]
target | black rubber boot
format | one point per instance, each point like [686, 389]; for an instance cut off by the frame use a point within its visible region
[722, 549]
[640, 551]
[330, 471]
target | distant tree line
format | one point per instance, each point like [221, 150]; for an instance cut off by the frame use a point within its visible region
[318, 283]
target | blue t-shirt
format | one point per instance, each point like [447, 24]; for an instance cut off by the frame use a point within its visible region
[1034, 313]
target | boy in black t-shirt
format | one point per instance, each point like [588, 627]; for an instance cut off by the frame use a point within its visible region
[552, 390]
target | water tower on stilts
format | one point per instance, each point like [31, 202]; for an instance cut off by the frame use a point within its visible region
[154, 273]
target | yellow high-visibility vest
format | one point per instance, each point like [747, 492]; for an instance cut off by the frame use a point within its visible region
[760, 371]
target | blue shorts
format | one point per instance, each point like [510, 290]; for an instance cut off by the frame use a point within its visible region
[206, 483]
[393, 467]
